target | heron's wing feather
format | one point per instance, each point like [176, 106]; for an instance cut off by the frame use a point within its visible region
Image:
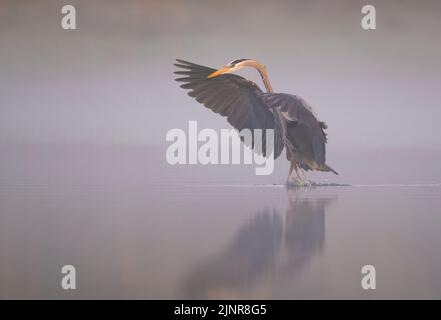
[233, 97]
[304, 129]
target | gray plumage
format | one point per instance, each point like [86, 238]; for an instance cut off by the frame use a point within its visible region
[245, 106]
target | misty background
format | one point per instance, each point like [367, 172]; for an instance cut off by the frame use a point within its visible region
[111, 82]
[84, 179]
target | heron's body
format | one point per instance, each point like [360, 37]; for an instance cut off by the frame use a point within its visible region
[295, 125]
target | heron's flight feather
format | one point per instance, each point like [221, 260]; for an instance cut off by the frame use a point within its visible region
[234, 97]
[304, 130]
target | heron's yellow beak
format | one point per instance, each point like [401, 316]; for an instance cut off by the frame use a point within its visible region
[219, 72]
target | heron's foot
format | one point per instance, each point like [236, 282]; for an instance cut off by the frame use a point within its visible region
[303, 182]
[300, 182]
[289, 181]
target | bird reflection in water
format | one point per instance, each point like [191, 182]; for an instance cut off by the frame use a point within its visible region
[262, 250]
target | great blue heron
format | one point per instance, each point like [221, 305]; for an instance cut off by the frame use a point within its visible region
[295, 124]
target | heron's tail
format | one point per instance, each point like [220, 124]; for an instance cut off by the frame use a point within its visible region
[328, 168]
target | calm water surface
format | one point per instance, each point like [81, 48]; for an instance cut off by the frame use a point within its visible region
[133, 237]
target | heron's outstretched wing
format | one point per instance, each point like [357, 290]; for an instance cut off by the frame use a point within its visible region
[304, 130]
[233, 97]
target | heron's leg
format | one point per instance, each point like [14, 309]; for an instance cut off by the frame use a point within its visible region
[291, 168]
[298, 173]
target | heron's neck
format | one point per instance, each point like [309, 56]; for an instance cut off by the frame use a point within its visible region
[265, 79]
[262, 71]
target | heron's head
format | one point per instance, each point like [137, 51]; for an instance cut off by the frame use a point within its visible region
[236, 65]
